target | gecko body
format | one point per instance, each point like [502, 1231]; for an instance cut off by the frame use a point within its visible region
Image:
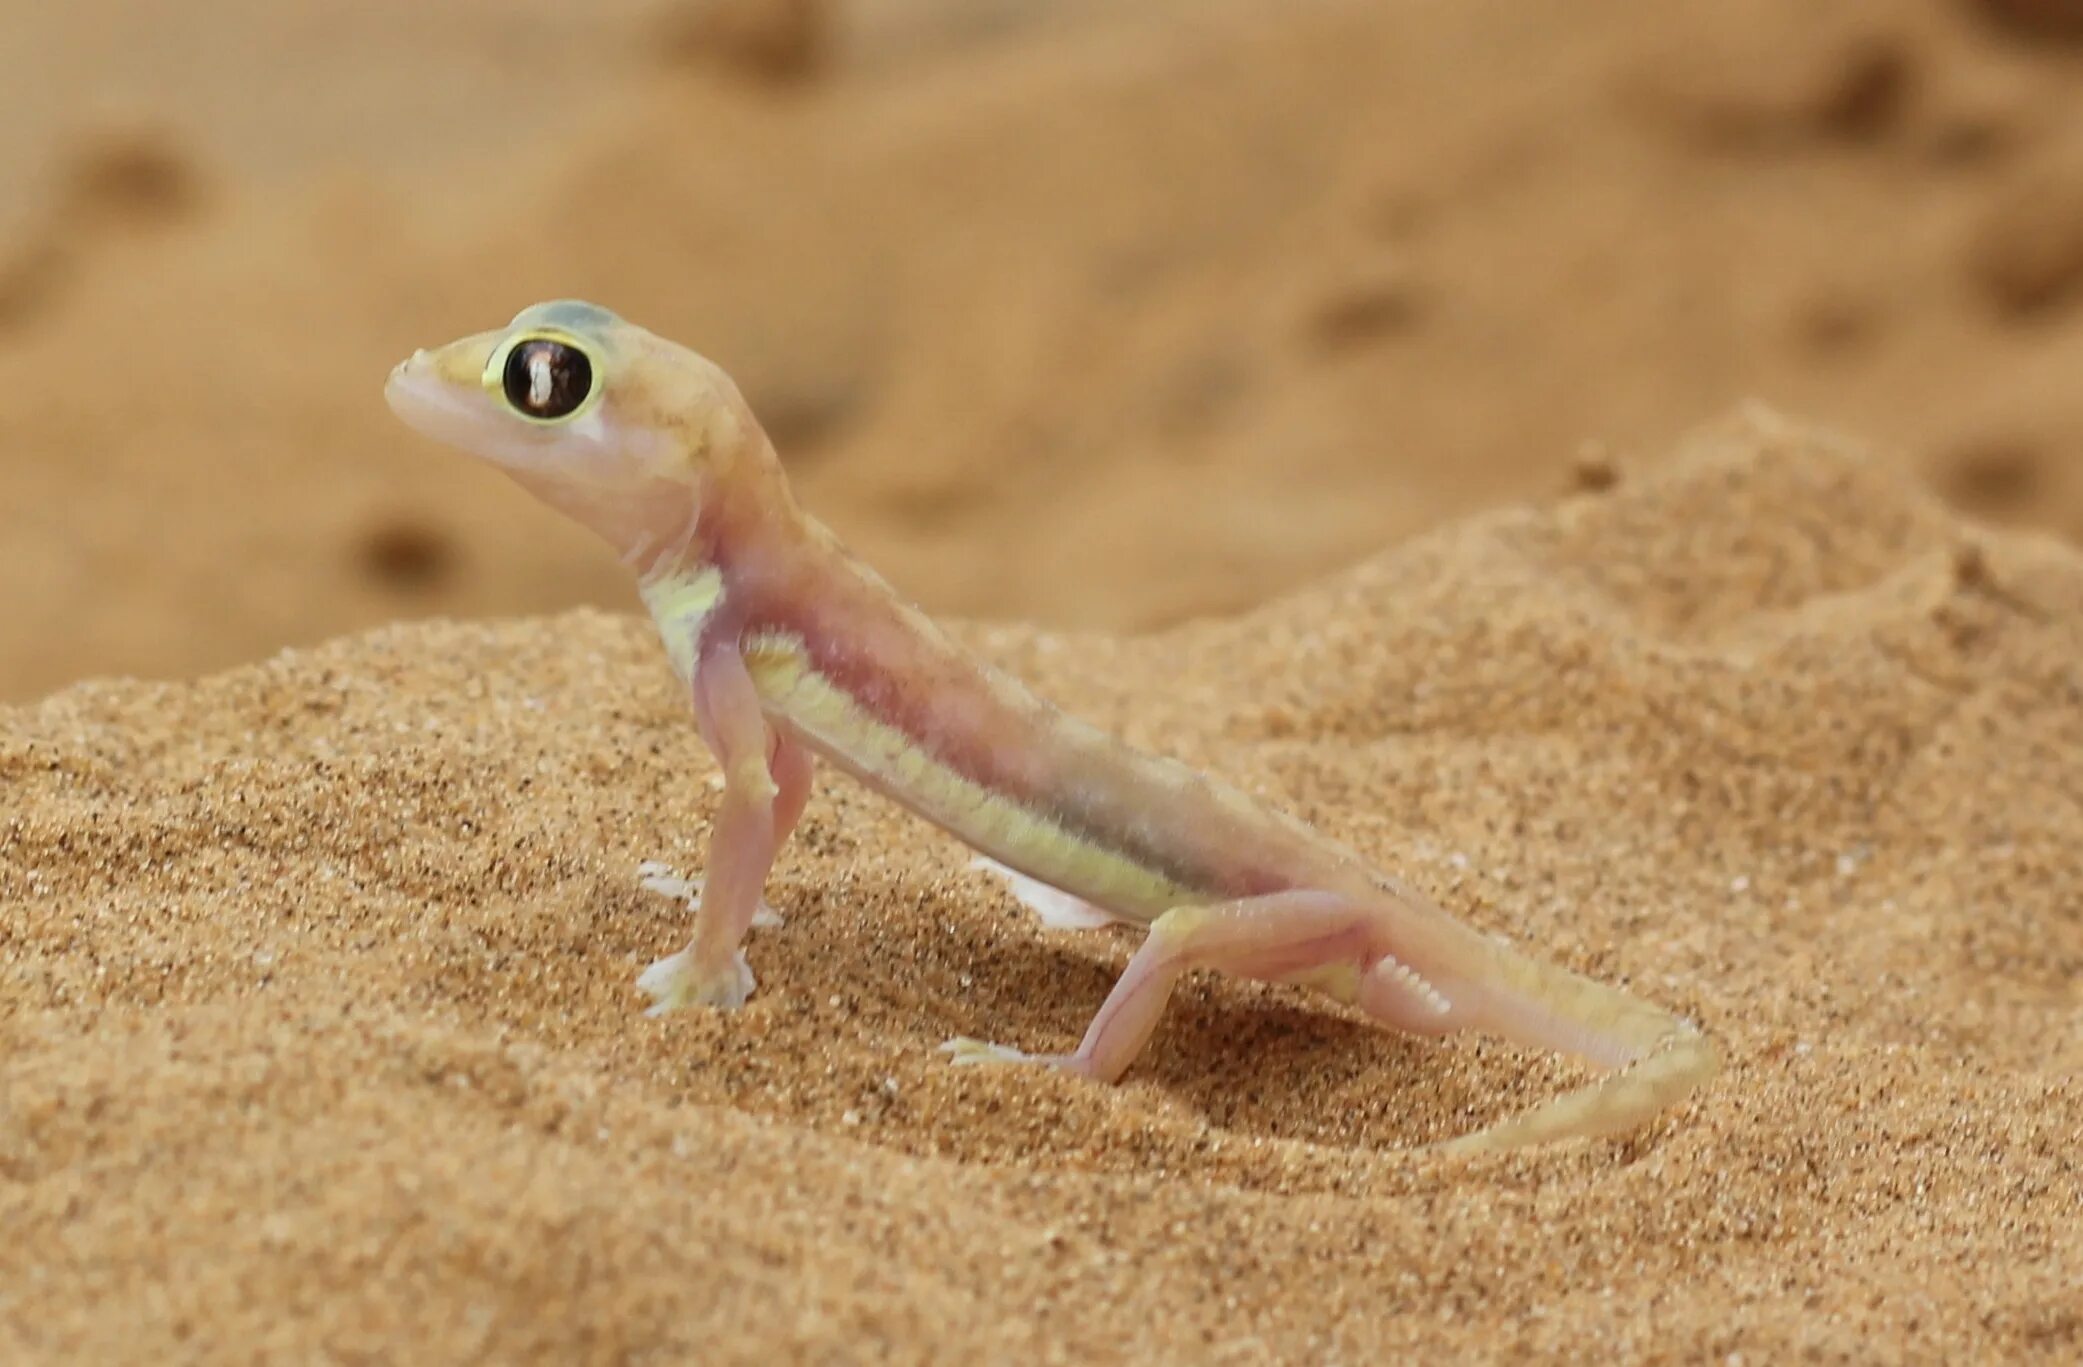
[792, 652]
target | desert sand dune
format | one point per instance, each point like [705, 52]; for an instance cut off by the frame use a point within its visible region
[322, 1037]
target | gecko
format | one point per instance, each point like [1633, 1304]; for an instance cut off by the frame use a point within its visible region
[791, 652]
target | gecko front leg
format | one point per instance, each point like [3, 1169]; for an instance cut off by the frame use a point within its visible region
[792, 767]
[766, 781]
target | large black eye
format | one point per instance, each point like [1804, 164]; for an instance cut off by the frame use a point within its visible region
[547, 379]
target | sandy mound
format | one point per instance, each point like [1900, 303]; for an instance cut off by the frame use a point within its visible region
[320, 1030]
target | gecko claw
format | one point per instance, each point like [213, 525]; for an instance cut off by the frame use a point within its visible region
[673, 985]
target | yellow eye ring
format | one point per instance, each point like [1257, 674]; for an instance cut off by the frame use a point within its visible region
[544, 377]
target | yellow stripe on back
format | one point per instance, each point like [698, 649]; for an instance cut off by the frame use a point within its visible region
[995, 824]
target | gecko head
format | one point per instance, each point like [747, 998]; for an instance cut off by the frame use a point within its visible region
[598, 417]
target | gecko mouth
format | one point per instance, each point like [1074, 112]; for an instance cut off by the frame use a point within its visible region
[420, 397]
[436, 407]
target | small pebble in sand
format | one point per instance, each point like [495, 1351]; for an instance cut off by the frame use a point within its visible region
[1373, 301]
[2053, 20]
[405, 554]
[1996, 474]
[2026, 253]
[1858, 88]
[132, 171]
[777, 42]
[1594, 470]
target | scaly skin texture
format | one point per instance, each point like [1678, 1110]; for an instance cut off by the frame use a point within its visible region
[790, 649]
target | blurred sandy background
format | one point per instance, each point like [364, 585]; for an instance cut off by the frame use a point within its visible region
[1073, 312]
[318, 1039]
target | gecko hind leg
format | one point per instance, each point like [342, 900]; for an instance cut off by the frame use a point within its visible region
[1278, 937]
[1652, 1058]
[1442, 976]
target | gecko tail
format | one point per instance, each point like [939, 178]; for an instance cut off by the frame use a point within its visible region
[1654, 1059]
[1662, 1077]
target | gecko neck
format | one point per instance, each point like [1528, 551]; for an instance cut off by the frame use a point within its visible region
[682, 596]
[731, 539]
[669, 543]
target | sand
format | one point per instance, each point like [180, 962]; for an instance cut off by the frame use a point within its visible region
[1312, 391]
[323, 1038]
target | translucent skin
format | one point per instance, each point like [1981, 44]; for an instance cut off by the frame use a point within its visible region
[790, 649]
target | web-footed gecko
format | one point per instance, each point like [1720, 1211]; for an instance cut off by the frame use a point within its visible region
[790, 649]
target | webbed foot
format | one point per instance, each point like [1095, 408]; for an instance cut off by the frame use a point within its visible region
[964, 1050]
[673, 985]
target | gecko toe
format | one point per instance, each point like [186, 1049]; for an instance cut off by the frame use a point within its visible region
[653, 876]
[964, 1050]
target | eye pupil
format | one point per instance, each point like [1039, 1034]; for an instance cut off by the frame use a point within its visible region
[546, 378]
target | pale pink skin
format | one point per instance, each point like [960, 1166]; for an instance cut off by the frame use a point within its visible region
[790, 648]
